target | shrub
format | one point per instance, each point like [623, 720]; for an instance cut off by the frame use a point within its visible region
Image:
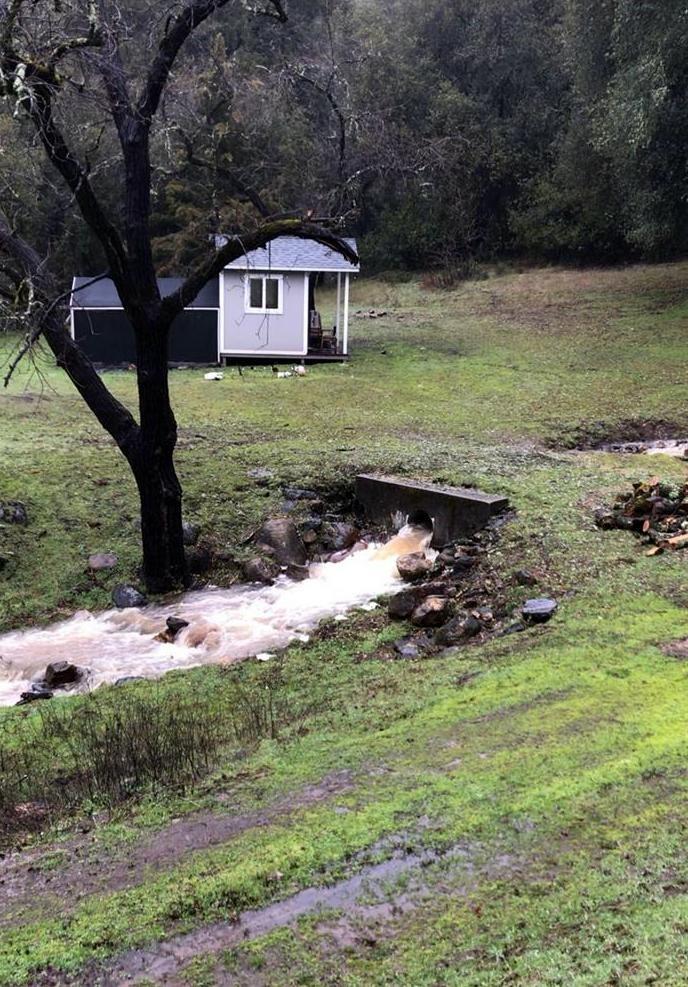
[110, 745]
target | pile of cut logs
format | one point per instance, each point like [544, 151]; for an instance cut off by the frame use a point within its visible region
[655, 511]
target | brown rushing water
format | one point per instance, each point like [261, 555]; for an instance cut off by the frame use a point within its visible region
[225, 625]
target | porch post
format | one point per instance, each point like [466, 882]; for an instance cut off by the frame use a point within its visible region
[337, 317]
[345, 338]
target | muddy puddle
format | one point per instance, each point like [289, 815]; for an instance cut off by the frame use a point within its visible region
[167, 958]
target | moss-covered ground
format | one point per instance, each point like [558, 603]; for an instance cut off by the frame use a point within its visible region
[547, 769]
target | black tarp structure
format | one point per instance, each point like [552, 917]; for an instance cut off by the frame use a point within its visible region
[103, 331]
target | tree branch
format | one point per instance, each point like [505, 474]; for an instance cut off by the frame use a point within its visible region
[34, 334]
[115, 82]
[179, 29]
[33, 84]
[236, 247]
[112, 415]
[245, 190]
[326, 91]
[76, 178]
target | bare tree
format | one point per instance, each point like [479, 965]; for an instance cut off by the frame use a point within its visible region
[58, 59]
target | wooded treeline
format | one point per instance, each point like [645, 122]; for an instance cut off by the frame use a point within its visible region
[441, 131]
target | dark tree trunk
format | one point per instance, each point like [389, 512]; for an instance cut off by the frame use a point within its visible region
[160, 492]
[149, 445]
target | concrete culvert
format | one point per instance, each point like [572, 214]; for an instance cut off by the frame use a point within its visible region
[452, 512]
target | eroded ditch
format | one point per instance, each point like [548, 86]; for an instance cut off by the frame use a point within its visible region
[375, 892]
[656, 436]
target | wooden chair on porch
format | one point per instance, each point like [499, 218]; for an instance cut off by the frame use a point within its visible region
[321, 340]
[315, 332]
[328, 342]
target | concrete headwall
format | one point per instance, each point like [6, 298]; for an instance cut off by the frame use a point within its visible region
[454, 511]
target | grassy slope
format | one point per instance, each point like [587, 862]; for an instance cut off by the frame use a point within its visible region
[567, 752]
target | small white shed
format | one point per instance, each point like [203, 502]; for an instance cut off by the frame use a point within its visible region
[268, 306]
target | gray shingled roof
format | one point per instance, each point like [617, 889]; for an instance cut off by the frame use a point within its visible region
[291, 253]
[103, 294]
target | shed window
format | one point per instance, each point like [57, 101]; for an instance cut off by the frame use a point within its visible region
[264, 293]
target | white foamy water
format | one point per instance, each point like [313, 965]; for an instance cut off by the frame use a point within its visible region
[225, 625]
[679, 448]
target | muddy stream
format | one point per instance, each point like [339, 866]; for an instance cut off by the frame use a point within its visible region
[225, 625]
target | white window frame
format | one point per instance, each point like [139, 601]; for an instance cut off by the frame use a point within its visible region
[279, 278]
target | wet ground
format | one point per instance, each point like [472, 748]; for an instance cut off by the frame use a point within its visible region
[37, 882]
[632, 436]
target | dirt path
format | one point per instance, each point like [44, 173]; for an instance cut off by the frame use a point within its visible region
[62, 874]
[164, 962]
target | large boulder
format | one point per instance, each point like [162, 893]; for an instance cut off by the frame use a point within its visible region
[199, 559]
[309, 530]
[402, 604]
[463, 564]
[412, 568]
[298, 493]
[524, 577]
[13, 512]
[431, 612]
[281, 536]
[61, 673]
[339, 535]
[175, 625]
[309, 536]
[407, 648]
[413, 647]
[339, 556]
[261, 571]
[298, 572]
[461, 628]
[124, 596]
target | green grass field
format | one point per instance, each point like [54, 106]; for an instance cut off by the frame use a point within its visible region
[546, 770]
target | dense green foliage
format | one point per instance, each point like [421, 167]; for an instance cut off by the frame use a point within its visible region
[439, 133]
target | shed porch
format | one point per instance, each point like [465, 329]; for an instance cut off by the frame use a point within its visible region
[325, 340]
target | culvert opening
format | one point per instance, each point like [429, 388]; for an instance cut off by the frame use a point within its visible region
[420, 519]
